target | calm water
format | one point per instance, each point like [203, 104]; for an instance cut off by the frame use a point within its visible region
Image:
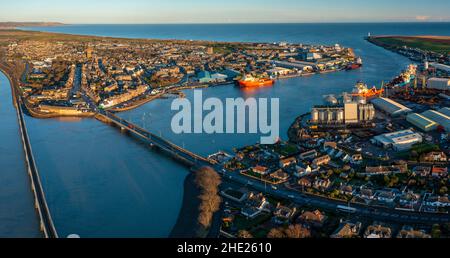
[17, 214]
[101, 183]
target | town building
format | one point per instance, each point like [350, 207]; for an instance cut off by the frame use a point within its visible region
[347, 230]
[255, 205]
[434, 157]
[399, 141]
[313, 218]
[410, 232]
[438, 83]
[260, 170]
[378, 231]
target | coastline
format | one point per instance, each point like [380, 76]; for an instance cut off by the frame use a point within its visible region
[189, 211]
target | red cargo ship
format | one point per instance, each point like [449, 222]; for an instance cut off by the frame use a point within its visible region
[250, 82]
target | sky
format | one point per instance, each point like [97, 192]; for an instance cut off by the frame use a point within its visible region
[223, 11]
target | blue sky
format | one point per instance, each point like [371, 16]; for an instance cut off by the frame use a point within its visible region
[224, 11]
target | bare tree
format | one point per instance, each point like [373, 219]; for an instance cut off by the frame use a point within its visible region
[297, 231]
[276, 233]
[208, 181]
[244, 234]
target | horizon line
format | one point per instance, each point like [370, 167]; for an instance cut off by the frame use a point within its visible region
[233, 23]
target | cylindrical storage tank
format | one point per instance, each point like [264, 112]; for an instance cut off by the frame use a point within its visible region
[322, 116]
[340, 116]
[362, 100]
[330, 115]
[315, 115]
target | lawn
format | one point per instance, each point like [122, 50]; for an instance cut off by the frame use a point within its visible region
[430, 44]
[242, 223]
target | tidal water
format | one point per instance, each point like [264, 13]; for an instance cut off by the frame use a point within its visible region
[17, 214]
[101, 183]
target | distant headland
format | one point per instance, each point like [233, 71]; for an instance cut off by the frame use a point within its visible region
[12, 25]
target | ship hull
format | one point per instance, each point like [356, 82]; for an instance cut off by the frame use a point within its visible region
[353, 67]
[253, 84]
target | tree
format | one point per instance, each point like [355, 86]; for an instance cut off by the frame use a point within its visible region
[297, 231]
[208, 181]
[293, 231]
[276, 233]
[244, 234]
[436, 231]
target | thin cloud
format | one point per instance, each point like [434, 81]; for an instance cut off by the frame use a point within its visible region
[422, 18]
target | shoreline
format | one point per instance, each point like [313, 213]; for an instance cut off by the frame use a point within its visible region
[189, 212]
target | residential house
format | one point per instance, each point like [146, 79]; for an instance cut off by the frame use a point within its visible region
[286, 162]
[410, 232]
[280, 175]
[313, 218]
[382, 170]
[260, 170]
[347, 230]
[422, 171]
[409, 200]
[309, 155]
[283, 214]
[322, 184]
[301, 171]
[323, 160]
[434, 157]
[439, 172]
[366, 194]
[255, 205]
[346, 190]
[356, 159]
[438, 201]
[378, 231]
[329, 145]
[305, 182]
[386, 196]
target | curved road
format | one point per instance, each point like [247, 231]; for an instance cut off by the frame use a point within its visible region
[378, 213]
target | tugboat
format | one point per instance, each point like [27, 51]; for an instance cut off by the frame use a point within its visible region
[356, 65]
[249, 81]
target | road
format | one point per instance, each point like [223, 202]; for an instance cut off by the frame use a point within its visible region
[381, 214]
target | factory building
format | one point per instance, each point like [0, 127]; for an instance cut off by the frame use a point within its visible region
[349, 113]
[438, 83]
[439, 118]
[327, 114]
[390, 107]
[441, 67]
[421, 122]
[445, 111]
[399, 141]
[366, 112]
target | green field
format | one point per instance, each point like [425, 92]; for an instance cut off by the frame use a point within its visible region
[439, 45]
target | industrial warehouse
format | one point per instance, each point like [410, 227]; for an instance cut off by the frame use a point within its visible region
[390, 107]
[399, 141]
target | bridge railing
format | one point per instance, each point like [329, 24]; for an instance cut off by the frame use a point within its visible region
[156, 138]
[46, 221]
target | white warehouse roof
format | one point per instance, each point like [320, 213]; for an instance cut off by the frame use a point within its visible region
[389, 106]
[401, 140]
